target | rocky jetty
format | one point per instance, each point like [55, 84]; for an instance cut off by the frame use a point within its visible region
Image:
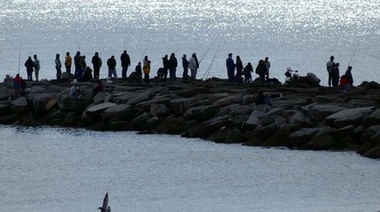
[305, 117]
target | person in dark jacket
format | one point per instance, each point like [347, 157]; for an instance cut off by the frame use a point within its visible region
[165, 63]
[125, 63]
[185, 65]
[173, 63]
[111, 63]
[97, 63]
[261, 70]
[29, 64]
[335, 75]
[248, 69]
[239, 70]
[77, 64]
[230, 68]
[138, 70]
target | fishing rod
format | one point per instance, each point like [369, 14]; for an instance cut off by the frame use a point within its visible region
[354, 53]
[204, 55]
[142, 56]
[19, 55]
[219, 49]
[100, 53]
[372, 56]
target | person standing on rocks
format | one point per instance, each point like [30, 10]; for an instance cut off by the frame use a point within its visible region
[185, 65]
[329, 67]
[173, 63]
[230, 64]
[193, 65]
[335, 75]
[267, 64]
[125, 63]
[261, 70]
[97, 63]
[17, 84]
[349, 75]
[58, 66]
[247, 73]
[77, 64]
[165, 64]
[37, 67]
[68, 62]
[29, 64]
[146, 70]
[111, 63]
[139, 72]
[239, 70]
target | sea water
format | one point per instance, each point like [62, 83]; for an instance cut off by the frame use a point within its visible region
[301, 34]
[57, 169]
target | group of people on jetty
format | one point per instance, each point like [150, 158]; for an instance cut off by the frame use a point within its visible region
[236, 72]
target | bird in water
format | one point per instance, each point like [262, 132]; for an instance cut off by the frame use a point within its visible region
[105, 207]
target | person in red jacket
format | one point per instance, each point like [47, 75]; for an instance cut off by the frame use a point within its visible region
[344, 83]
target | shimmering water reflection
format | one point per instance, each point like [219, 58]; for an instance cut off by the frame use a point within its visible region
[53, 169]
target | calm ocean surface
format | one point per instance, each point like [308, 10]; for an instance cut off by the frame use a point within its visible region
[59, 170]
[301, 34]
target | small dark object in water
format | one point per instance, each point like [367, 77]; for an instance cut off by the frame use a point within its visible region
[105, 207]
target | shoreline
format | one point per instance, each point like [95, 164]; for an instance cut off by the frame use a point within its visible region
[304, 117]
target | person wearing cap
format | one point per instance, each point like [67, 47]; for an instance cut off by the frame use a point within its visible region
[230, 68]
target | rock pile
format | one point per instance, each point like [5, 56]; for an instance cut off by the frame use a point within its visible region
[312, 118]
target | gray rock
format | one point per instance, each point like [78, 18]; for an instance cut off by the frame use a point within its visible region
[121, 111]
[200, 113]
[348, 117]
[320, 112]
[372, 119]
[158, 109]
[99, 108]
[179, 106]
[253, 119]
[140, 98]
[6, 94]
[40, 101]
[99, 97]
[234, 136]
[302, 136]
[214, 124]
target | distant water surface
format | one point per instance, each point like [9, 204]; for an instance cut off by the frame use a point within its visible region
[301, 34]
[54, 169]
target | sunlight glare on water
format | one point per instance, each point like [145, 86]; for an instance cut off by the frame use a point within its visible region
[297, 33]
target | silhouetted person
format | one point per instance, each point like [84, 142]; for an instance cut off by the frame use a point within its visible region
[239, 70]
[29, 64]
[165, 63]
[247, 73]
[37, 67]
[329, 67]
[335, 75]
[173, 63]
[111, 63]
[58, 66]
[230, 64]
[261, 70]
[97, 63]
[68, 62]
[193, 66]
[125, 63]
[185, 65]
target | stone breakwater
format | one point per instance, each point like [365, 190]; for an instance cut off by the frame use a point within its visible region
[303, 117]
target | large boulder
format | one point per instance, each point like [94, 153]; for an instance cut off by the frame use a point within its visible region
[372, 119]
[200, 113]
[214, 124]
[40, 101]
[179, 106]
[347, 117]
[6, 94]
[302, 136]
[121, 111]
[319, 112]
[99, 108]
[171, 125]
[159, 109]
[20, 105]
